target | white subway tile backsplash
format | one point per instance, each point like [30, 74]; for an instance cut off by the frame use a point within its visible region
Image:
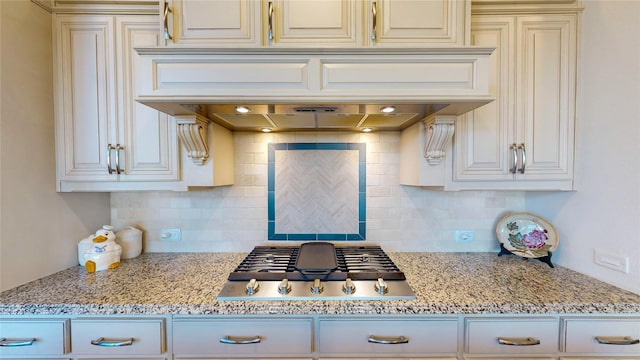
[234, 218]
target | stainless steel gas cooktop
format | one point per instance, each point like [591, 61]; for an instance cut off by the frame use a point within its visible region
[317, 271]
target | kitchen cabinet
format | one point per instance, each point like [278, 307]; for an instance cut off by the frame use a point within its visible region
[246, 337]
[525, 139]
[368, 337]
[104, 337]
[315, 23]
[105, 141]
[111, 337]
[588, 337]
[41, 337]
[322, 336]
[530, 336]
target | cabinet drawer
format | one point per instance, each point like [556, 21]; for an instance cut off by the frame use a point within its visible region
[494, 336]
[146, 336]
[247, 336]
[51, 337]
[359, 336]
[580, 335]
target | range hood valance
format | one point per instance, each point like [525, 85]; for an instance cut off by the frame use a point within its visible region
[313, 89]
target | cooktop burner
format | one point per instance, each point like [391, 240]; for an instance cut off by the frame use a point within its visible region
[316, 270]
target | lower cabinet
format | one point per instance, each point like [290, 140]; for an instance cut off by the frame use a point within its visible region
[23, 338]
[322, 337]
[114, 338]
[607, 337]
[514, 336]
[405, 337]
[247, 337]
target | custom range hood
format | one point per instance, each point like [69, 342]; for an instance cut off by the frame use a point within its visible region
[312, 89]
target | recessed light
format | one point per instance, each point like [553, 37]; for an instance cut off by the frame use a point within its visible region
[266, 130]
[243, 109]
[388, 109]
[367, 129]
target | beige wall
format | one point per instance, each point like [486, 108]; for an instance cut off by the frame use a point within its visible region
[39, 228]
[605, 211]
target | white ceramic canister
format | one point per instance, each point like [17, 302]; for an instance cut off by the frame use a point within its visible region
[130, 239]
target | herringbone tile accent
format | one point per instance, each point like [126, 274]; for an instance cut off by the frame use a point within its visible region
[316, 191]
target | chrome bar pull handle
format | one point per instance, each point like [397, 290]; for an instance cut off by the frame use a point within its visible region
[16, 342]
[239, 340]
[112, 343]
[617, 340]
[270, 21]
[165, 19]
[118, 168]
[518, 341]
[514, 150]
[109, 149]
[524, 158]
[374, 20]
[388, 339]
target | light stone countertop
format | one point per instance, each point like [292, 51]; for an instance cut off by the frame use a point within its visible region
[445, 283]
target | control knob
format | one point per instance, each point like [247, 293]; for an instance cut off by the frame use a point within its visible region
[348, 287]
[252, 287]
[381, 287]
[284, 287]
[317, 287]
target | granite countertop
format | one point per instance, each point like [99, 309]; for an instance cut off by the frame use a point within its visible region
[445, 283]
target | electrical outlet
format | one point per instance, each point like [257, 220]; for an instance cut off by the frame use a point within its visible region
[464, 236]
[170, 234]
[611, 261]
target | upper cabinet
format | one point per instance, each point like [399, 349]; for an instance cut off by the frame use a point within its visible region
[524, 139]
[105, 140]
[315, 23]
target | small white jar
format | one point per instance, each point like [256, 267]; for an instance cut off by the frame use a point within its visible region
[130, 239]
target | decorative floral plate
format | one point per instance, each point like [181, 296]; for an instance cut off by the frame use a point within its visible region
[526, 234]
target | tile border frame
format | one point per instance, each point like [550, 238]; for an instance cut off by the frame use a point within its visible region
[362, 187]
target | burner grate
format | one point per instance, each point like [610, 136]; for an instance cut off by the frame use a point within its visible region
[354, 262]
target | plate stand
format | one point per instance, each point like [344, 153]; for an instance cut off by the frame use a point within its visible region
[544, 259]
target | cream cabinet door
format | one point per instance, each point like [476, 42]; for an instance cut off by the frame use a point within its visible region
[149, 136]
[409, 23]
[525, 139]
[329, 23]
[85, 96]
[483, 136]
[232, 23]
[545, 107]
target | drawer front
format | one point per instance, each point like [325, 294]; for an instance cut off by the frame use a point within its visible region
[580, 335]
[497, 336]
[51, 337]
[146, 336]
[248, 336]
[356, 336]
